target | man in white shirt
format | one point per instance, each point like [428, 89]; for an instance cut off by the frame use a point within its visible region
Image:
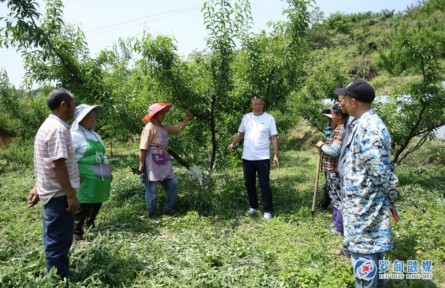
[57, 180]
[258, 129]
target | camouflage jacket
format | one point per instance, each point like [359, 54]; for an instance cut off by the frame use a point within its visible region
[369, 186]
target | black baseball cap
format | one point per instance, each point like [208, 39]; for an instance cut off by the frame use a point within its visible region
[358, 89]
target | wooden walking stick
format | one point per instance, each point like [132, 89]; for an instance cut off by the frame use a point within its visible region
[317, 177]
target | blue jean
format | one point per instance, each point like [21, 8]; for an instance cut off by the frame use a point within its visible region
[151, 193]
[57, 234]
[367, 271]
[262, 167]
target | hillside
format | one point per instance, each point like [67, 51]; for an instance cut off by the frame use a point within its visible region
[356, 41]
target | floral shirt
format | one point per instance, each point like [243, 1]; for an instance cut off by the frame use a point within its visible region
[369, 186]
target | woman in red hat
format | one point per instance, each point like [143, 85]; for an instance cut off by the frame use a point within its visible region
[154, 160]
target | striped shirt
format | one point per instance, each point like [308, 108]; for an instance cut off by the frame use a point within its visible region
[53, 142]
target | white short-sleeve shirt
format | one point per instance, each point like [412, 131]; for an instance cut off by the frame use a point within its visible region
[257, 132]
[53, 142]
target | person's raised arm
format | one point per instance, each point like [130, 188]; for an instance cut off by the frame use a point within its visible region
[174, 129]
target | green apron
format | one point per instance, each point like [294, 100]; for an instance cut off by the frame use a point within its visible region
[95, 170]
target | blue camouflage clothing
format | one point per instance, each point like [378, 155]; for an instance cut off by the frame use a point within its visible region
[369, 186]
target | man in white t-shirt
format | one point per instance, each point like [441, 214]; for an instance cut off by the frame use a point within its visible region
[258, 129]
[57, 180]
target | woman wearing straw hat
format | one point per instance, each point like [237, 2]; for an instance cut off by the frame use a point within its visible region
[154, 160]
[94, 167]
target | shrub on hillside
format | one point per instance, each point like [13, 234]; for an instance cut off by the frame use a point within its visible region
[19, 154]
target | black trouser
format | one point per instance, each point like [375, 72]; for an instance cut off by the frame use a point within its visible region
[85, 215]
[262, 167]
[326, 200]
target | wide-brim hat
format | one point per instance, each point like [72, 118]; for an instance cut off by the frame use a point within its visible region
[155, 108]
[327, 112]
[82, 110]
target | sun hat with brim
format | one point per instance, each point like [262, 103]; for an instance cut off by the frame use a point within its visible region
[328, 115]
[327, 112]
[81, 111]
[155, 108]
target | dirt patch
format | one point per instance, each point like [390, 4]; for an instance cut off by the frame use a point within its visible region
[5, 140]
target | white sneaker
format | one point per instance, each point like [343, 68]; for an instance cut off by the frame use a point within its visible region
[251, 211]
[267, 215]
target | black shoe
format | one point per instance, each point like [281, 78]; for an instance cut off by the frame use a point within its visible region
[154, 215]
[170, 212]
[77, 237]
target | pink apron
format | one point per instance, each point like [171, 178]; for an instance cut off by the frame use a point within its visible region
[158, 162]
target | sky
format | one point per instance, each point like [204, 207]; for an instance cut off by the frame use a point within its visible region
[105, 21]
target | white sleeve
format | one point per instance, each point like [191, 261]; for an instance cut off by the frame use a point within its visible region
[242, 126]
[273, 127]
[79, 144]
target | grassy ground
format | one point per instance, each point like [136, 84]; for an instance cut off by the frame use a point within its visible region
[212, 243]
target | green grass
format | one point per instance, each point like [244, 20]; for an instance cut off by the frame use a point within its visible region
[212, 243]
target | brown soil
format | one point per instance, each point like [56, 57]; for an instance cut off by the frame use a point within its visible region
[5, 140]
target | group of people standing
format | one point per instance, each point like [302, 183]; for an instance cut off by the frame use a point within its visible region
[73, 174]
[360, 180]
